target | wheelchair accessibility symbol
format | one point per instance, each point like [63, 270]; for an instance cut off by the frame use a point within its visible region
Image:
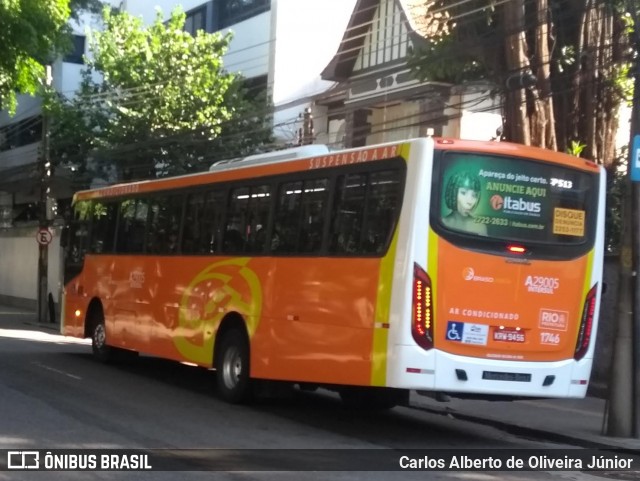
[454, 331]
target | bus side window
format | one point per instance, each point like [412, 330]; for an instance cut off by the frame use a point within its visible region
[348, 213]
[201, 234]
[314, 204]
[382, 199]
[132, 226]
[284, 235]
[78, 241]
[164, 225]
[248, 214]
[193, 229]
[258, 218]
[235, 225]
[104, 227]
[299, 216]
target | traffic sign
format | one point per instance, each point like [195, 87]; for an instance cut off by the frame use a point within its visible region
[635, 159]
[44, 236]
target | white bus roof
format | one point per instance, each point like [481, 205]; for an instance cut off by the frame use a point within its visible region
[275, 156]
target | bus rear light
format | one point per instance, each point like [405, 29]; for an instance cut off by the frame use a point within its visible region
[78, 313]
[422, 326]
[515, 249]
[586, 324]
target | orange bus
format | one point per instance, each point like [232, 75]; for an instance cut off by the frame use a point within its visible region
[449, 266]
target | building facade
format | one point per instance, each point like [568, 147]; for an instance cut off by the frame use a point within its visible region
[342, 60]
[376, 98]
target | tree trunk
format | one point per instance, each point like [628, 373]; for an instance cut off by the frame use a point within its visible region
[543, 120]
[516, 119]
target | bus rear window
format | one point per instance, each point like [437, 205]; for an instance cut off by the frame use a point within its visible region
[514, 199]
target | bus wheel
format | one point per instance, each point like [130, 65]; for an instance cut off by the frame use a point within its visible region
[101, 351]
[232, 367]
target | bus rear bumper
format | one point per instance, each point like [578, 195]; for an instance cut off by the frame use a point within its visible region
[439, 371]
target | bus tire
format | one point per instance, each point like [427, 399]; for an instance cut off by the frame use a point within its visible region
[101, 351]
[232, 367]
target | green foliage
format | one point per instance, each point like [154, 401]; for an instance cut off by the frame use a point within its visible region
[30, 31]
[82, 6]
[32, 34]
[576, 148]
[446, 62]
[455, 52]
[617, 188]
[151, 101]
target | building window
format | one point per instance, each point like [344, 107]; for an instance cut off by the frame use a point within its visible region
[195, 20]
[255, 87]
[21, 133]
[76, 55]
[234, 11]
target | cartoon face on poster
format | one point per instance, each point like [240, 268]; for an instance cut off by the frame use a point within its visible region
[514, 198]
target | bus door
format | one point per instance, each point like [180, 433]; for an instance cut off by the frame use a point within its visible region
[130, 277]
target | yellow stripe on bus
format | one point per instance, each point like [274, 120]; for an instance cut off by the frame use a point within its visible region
[383, 310]
[432, 270]
[380, 347]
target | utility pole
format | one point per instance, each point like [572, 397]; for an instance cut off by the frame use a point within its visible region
[634, 158]
[44, 170]
[623, 415]
[306, 133]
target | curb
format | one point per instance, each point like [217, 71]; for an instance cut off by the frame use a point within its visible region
[55, 327]
[524, 431]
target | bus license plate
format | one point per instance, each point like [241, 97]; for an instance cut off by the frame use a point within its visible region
[506, 376]
[508, 335]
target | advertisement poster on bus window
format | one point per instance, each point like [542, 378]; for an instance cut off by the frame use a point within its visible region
[514, 198]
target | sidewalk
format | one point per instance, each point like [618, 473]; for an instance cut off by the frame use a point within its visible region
[18, 318]
[578, 422]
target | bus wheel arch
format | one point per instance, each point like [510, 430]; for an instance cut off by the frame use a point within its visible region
[232, 360]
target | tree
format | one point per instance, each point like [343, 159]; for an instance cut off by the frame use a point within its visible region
[32, 33]
[559, 65]
[29, 31]
[152, 101]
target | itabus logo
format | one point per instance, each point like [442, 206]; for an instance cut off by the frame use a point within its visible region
[518, 205]
[496, 202]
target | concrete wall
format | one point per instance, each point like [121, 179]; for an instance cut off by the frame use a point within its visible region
[19, 266]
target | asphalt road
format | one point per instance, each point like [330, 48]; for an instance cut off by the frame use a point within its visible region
[53, 395]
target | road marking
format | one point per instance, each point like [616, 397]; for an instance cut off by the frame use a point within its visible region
[56, 370]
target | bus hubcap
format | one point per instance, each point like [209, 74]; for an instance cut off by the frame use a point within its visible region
[232, 368]
[99, 335]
